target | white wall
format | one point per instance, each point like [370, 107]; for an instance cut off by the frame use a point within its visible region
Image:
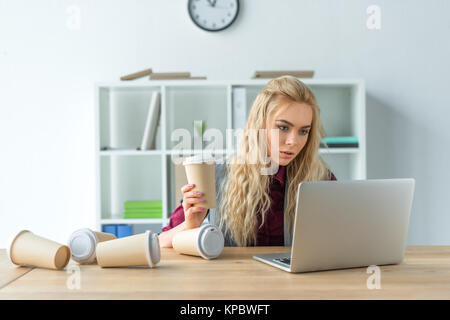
[47, 73]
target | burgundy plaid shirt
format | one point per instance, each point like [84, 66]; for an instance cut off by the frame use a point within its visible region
[271, 232]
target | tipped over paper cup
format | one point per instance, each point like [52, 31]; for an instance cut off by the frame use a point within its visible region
[83, 242]
[200, 170]
[206, 241]
[138, 250]
[28, 249]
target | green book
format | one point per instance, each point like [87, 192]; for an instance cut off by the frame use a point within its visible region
[149, 215]
[142, 204]
[146, 213]
[142, 216]
[143, 211]
[159, 217]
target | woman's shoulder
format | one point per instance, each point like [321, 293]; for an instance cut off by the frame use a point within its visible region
[220, 172]
[220, 167]
[331, 176]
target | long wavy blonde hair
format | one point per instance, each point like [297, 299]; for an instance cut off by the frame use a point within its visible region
[246, 190]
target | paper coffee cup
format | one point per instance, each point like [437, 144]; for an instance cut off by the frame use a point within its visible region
[28, 249]
[206, 241]
[200, 171]
[138, 250]
[83, 242]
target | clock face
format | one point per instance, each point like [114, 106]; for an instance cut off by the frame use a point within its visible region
[213, 15]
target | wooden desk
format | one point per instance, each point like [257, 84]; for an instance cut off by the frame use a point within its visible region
[424, 274]
[9, 271]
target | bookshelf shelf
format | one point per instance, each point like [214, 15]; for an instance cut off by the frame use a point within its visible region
[131, 153]
[158, 152]
[133, 221]
[125, 173]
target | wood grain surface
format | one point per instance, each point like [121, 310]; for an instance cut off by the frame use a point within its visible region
[424, 274]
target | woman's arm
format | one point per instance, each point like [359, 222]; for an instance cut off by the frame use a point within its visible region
[185, 217]
[165, 238]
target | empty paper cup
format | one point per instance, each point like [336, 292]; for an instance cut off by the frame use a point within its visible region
[82, 244]
[28, 249]
[206, 241]
[200, 171]
[138, 250]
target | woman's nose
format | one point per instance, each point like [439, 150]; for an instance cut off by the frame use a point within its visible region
[292, 139]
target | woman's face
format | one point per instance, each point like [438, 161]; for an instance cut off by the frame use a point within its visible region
[293, 122]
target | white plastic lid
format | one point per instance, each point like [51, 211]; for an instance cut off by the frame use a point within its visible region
[152, 248]
[199, 158]
[82, 244]
[210, 241]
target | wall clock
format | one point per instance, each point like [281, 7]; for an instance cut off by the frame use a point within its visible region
[213, 15]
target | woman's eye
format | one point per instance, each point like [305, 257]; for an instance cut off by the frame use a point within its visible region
[304, 132]
[282, 128]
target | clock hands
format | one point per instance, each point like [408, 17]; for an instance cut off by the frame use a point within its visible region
[212, 3]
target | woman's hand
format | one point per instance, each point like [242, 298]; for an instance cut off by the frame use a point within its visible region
[193, 216]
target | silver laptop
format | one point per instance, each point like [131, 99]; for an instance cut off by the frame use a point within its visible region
[347, 224]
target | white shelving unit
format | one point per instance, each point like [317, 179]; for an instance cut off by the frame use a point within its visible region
[125, 173]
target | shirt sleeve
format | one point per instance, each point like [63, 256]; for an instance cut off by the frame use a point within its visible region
[332, 177]
[176, 218]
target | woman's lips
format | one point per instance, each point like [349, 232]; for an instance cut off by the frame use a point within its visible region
[286, 155]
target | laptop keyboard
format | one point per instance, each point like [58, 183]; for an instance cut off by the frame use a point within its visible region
[283, 260]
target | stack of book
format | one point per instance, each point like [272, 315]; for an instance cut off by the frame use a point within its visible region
[119, 230]
[160, 75]
[143, 209]
[137, 75]
[174, 76]
[340, 142]
[279, 73]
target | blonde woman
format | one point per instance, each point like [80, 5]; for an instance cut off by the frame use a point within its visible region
[254, 208]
